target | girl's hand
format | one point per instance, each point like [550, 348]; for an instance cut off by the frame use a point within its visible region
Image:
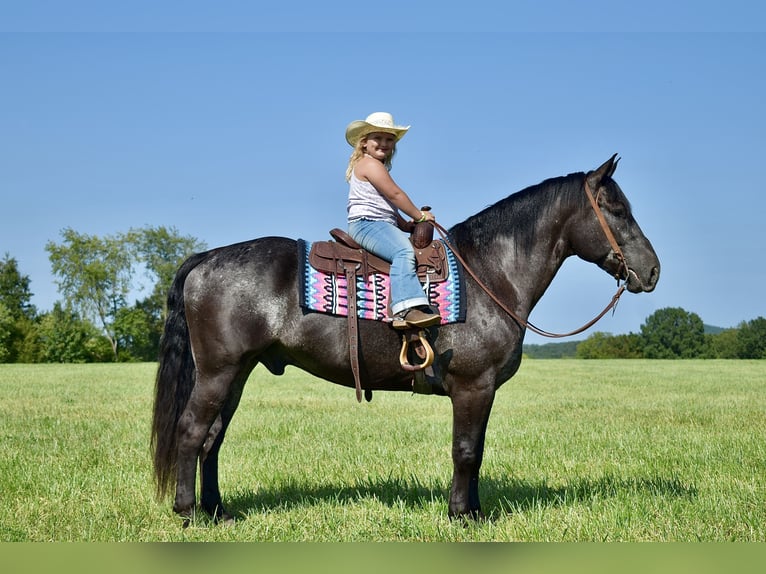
[425, 215]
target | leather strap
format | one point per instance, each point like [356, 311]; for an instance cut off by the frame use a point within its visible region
[523, 322]
[607, 231]
[353, 331]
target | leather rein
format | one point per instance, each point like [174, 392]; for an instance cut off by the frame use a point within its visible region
[523, 322]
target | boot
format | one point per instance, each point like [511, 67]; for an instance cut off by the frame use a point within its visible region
[422, 316]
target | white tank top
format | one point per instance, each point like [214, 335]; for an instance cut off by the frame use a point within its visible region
[366, 202]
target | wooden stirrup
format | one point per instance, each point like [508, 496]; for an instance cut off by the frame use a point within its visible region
[412, 337]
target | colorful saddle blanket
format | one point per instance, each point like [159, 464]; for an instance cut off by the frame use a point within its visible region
[327, 292]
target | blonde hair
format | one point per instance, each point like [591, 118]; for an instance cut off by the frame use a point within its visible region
[358, 154]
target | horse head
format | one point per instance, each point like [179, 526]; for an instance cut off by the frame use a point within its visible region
[628, 254]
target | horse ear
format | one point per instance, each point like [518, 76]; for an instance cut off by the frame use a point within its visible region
[605, 170]
[614, 164]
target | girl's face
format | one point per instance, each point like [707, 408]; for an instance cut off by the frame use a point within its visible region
[380, 145]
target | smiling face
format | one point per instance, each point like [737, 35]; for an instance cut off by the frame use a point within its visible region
[380, 145]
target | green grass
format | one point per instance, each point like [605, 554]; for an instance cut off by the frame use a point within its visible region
[576, 451]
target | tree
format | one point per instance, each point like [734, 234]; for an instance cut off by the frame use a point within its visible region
[65, 338]
[723, 345]
[14, 289]
[595, 346]
[139, 332]
[94, 277]
[751, 339]
[605, 346]
[162, 250]
[6, 334]
[19, 314]
[672, 333]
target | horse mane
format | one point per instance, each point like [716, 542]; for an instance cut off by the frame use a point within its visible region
[518, 215]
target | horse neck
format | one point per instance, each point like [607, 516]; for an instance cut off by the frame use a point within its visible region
[518, 245]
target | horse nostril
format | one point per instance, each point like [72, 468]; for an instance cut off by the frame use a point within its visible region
[654, 276]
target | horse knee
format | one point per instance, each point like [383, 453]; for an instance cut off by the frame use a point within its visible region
[466, 453]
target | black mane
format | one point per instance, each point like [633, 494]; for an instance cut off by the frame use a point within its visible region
[518, 214]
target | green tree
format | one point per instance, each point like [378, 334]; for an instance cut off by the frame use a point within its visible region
[751, 339]
[673, 333]
[162, 250]
[596, 346]
[94, 277]
[19, 314]
[14, 289]
[139, 333]
[723, 345]
[7, 325]
[605, 346]
[65, 338]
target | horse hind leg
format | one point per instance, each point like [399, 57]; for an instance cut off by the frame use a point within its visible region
[200, 435]
[210, 493]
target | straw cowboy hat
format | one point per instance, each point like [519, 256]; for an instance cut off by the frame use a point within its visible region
[375, 122]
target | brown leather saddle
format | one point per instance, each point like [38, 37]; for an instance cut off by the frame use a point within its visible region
[346, 257]
[337, 256]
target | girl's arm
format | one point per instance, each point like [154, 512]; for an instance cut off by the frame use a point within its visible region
[377, 174]
[403, 224]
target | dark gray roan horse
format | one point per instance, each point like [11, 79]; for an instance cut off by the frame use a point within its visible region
[234, 307]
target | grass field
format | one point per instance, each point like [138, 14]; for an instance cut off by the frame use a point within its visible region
[576, 451]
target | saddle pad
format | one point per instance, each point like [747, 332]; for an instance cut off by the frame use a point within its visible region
[326, 292]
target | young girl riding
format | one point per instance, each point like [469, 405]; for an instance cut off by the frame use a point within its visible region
[374, 221]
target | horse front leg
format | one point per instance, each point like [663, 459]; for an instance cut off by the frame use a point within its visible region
[471, 405]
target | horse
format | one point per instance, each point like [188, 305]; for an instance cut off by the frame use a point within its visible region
[233, 307]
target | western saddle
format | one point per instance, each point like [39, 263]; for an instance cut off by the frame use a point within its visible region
[346, 257]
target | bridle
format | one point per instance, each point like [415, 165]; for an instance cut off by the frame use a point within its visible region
[523, 322]
[623, 266]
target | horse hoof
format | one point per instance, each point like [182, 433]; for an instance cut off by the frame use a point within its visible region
[468, 517]
[223, 517]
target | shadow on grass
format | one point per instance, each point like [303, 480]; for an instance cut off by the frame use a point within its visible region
[499, 496]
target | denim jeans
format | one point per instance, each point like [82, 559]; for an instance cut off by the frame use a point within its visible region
[388, 242]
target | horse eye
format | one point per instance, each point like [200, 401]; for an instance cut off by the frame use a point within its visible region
[618, 209]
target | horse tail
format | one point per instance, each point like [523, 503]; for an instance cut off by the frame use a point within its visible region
[175, 380]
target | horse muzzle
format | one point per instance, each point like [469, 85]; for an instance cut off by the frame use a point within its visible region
[636, 283]
[639, 278]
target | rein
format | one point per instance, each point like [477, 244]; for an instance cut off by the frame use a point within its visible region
[526, 324]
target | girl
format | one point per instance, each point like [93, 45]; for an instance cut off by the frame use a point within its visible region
[374, 221]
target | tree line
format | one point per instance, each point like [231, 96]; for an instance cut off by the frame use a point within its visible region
[95, 322]
[669, 333]
[674, 333]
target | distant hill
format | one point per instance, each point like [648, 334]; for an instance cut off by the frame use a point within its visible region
[711, 330]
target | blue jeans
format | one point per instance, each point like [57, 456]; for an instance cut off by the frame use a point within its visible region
[388, 242]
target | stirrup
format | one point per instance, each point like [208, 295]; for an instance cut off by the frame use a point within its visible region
[429, 358]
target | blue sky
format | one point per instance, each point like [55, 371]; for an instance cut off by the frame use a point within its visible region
[226, 121]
